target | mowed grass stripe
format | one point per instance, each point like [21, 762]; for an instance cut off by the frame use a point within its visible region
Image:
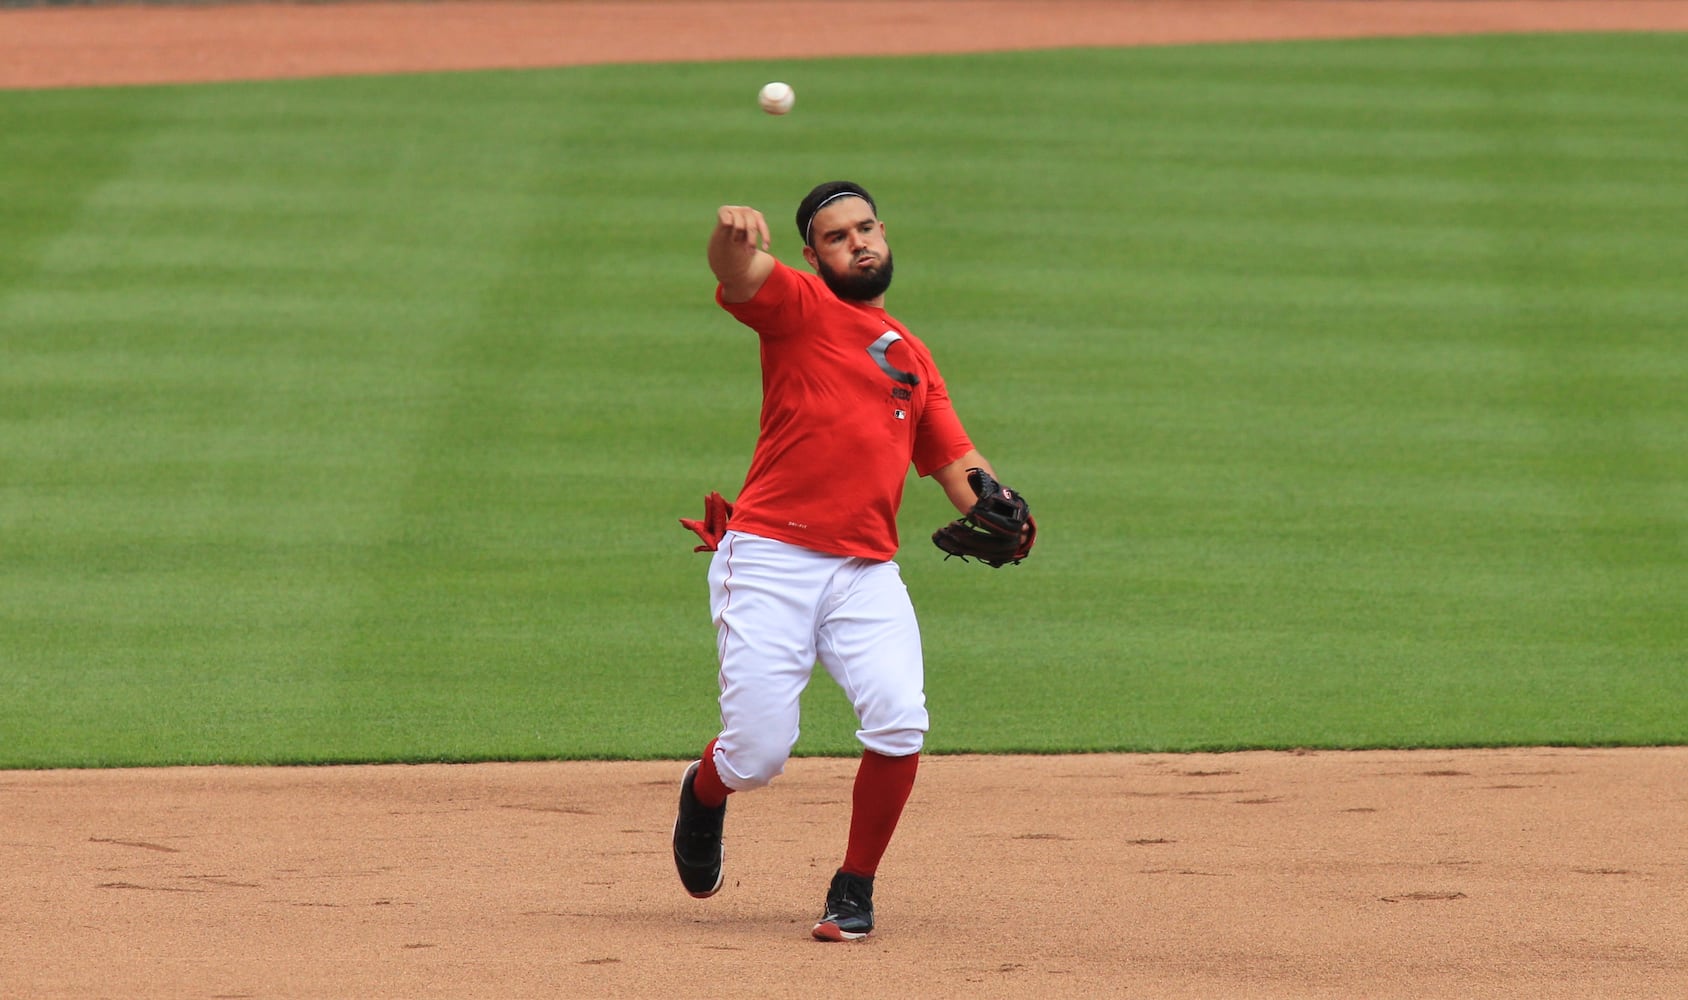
[1416, 452]
[355, 415]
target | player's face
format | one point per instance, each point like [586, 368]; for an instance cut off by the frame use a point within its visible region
[849, 250]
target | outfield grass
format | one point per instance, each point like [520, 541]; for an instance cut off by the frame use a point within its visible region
[350, 419]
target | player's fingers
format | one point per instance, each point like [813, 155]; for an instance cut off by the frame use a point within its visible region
[730, 217]
[746, 223]
[737, 218]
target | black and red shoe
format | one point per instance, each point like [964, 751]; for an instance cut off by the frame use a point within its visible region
[698, 852]
[849, 909]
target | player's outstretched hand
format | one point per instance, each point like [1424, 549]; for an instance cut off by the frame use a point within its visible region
[738, 252]
[742, 226]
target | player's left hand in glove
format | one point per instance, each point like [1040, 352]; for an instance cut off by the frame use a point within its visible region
[716, 512]
[998, 530]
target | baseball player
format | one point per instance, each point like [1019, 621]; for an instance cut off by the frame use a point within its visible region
[802, 567]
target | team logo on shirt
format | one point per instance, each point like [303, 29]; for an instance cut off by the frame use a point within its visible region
[876, 351]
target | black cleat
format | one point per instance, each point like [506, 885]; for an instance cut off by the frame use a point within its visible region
[849, 909]
[697, 840]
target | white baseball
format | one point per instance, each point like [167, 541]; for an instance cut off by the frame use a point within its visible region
[776, 98]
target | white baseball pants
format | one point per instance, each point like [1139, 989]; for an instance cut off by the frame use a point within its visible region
[777, 609]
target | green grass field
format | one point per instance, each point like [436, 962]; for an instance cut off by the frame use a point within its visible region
[350, 419]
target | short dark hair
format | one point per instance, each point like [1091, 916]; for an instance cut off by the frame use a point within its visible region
[820, 196]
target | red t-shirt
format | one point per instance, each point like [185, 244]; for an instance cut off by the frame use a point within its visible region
[849, 399]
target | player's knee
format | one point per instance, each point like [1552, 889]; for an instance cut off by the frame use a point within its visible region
[752, 764]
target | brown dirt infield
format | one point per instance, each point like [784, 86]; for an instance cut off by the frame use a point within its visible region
[152, 44]
[1498, 873]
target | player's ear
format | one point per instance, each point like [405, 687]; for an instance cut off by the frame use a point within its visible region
[809, 255]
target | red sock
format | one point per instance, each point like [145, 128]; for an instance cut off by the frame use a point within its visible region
[882, 788]
[707, 785]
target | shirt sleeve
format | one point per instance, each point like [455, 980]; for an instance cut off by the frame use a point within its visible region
[775, 307]
[940, 439]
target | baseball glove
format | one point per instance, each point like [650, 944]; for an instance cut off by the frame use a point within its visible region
[998, 530]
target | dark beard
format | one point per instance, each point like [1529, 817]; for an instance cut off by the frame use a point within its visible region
[858, 286]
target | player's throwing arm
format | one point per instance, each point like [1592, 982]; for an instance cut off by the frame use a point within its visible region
[738, 252]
